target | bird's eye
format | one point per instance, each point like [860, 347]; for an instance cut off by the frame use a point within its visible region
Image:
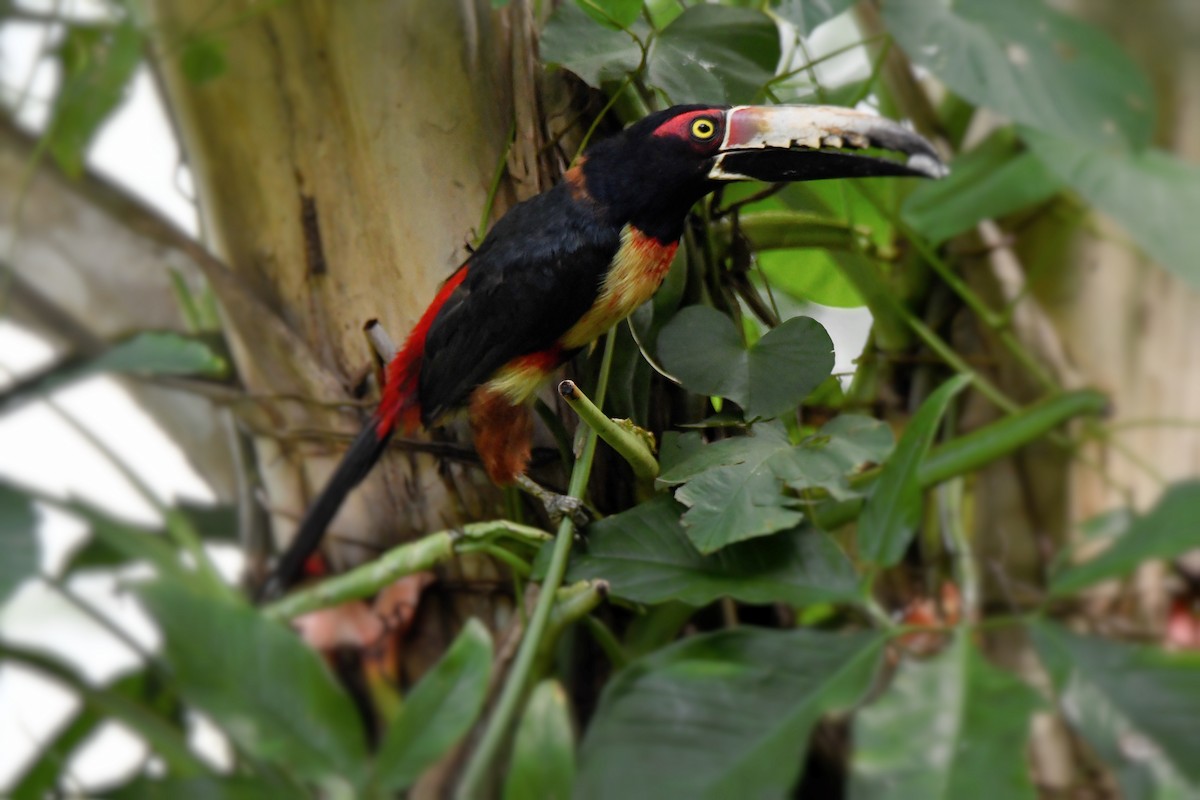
[703, 129]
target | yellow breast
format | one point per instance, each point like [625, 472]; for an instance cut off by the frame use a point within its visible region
[638, 270]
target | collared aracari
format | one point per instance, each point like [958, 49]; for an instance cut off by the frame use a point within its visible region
[561, 268]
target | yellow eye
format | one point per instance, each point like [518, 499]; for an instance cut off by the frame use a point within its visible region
[703, 129]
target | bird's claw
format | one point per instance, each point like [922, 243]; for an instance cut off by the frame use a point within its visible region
[562, 506]
[558, 506]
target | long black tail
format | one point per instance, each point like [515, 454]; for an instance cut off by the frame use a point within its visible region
[366, 449]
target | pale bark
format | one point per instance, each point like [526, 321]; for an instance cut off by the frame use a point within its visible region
[342, 163]
[1130, 326]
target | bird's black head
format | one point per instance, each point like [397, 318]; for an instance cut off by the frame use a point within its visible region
[651, 173]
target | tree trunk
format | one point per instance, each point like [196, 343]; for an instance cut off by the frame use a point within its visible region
[341, 161]
[1131, 326]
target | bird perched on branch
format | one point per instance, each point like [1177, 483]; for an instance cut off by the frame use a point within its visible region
[561, 268]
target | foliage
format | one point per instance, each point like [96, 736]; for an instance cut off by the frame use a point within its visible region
[781, 488]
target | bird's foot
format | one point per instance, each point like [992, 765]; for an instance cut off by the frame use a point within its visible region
[558, 506]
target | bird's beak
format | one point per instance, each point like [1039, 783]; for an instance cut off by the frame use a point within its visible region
[805, 143]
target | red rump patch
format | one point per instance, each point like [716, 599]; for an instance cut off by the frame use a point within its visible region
[543, 361]
[400, 402]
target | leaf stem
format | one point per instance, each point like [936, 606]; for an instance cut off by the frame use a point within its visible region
[407, 559]
[628, 444]
[497, 727]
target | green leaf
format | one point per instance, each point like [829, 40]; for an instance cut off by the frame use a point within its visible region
[114, 542]
[439, 711]
[160, 354]
[612, 13]
[809, 275]
[683, 456]
[97, 64]
[721, 715]
[808, 15]
[843, 446]
[18, 541]
[259, 683]
[734, 503]
[203, 59]
[1140, 770]
[715, 54]
[992, 180]
[1035, 65]
[144, 354]
[225, 787]
[1151, 194]
[704, 349]
[594, 52]
[891, 513]
[1170, 529]
[543, 761]
[646, 556]
[953, 726]
[1146, 699]
[733, 490]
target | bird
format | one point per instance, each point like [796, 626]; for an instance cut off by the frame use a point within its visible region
[561, 268]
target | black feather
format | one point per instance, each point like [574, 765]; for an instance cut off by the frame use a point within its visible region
[533, 277]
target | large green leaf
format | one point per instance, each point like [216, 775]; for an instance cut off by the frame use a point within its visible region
[808, 275]
[737, 502]
[225, 787]
[721, 715]
[113, 541]
[890, 516]
[950, 727]
[18, 541]
[613, 13]
[843, 446]
[992, 180]
[594, 52]
[257, 681]
[646, 556]
[683, 456]
[1170, 529]
[1142, 772]
[704, 349]
[543, 761]
[97, 64]
[1035, 65]
[1145, 698]
[807, 15]
[734, 488]
[715, 54]
[439, 711]
[1152, 194]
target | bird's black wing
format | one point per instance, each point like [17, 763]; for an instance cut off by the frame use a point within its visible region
[534, 276]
